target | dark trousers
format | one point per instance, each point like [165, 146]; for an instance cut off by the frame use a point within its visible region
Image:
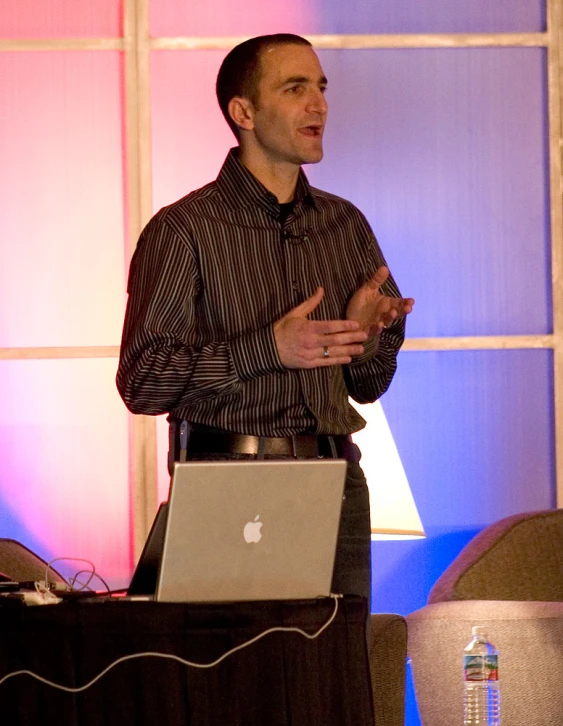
[352, 565]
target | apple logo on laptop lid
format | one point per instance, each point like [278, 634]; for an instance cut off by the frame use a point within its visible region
[251, 531]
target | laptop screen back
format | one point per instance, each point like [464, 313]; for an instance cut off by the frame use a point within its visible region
[146, 573]
[251, 530]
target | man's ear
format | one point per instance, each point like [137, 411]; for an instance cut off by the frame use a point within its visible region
[240, 110]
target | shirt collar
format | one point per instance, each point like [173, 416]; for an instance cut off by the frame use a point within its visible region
[239, 187]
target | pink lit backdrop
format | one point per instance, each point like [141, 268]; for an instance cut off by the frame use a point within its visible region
[60, 18]
[63, 462]
[61, 258]
[228, 18]
[64, 487]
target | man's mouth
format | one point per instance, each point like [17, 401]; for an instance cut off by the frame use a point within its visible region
[312, 130]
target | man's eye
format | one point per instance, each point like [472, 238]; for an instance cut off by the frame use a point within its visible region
[294, 89]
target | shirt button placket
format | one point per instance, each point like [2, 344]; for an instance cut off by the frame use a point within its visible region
[288, 250]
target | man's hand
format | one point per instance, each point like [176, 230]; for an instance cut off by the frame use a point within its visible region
[304, 343]
[373, 310]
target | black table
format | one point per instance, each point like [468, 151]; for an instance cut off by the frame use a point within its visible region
[280, 680]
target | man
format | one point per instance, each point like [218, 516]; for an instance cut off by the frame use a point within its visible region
[258, 304]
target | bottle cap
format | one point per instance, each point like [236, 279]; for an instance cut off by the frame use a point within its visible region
[479, 631]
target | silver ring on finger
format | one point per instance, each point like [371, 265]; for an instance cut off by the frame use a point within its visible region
[326, 354]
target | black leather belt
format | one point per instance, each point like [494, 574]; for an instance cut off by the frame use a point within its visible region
[204, 440]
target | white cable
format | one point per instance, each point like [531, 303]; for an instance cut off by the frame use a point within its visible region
[83, 585]
[170, 656]
[73, 580]
[72, 559]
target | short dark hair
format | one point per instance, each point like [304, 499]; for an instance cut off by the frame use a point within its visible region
[239, 74]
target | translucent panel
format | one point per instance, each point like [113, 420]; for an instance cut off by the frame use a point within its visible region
[474, 430]
[435, 146]
[64, 488]
[238, 18]
[225, 18]
[61, 248]
[59, 18]
[450, 166]
[190, 135]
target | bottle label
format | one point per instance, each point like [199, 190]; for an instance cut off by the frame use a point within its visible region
[480, 667]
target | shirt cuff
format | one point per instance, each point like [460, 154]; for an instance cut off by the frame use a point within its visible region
[371, 347]
[255, 354]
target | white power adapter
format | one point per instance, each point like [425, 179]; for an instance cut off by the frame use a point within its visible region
[39, 597]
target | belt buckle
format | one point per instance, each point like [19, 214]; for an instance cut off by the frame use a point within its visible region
[306, 446]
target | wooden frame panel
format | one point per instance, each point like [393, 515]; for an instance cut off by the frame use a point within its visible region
[137, 46]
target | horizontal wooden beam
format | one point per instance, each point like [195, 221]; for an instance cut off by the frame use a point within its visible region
[492, 342]
[108, 351]
[353, 42]
[43, 44]
[484, 342]
[342, 42]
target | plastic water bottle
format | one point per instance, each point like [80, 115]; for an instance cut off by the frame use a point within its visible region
[481, 699]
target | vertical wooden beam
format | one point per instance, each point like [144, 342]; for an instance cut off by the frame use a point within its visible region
[144, 110]
[555, 95]
[142, 431]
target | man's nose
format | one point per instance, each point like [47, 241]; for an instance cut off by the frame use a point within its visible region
[317, 102]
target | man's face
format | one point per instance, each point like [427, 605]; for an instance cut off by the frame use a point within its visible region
[289, 112]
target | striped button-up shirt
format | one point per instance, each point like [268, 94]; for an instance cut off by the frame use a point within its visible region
[211, 275]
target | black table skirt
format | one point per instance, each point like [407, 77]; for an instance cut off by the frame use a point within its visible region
[282, 680]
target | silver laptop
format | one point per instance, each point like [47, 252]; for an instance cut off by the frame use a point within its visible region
[251, 530]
